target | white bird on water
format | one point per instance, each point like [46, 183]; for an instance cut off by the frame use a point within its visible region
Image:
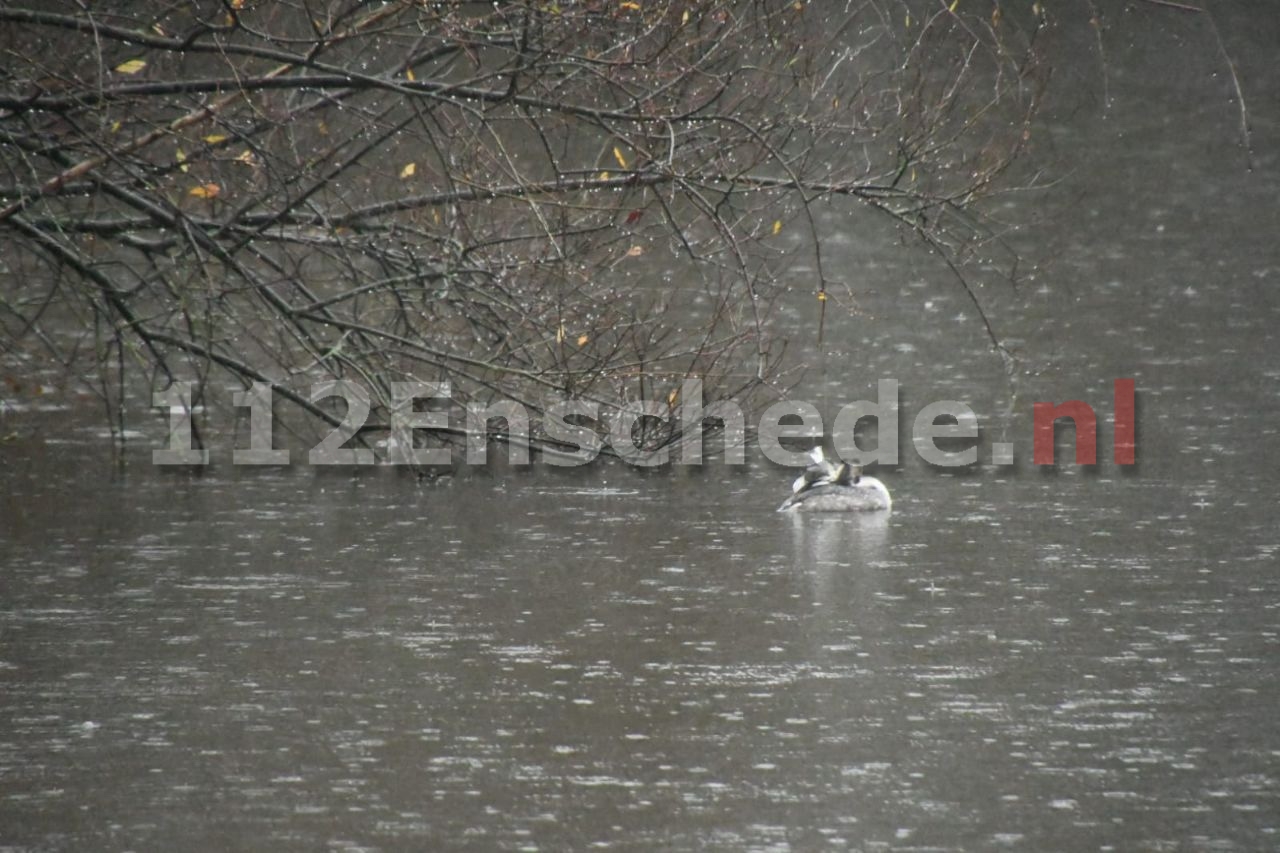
[824, 487]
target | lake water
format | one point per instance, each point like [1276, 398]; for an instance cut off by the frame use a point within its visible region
[606, 658]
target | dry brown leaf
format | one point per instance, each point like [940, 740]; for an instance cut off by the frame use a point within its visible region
[205, 191]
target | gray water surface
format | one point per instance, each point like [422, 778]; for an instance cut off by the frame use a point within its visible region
[556, 662]
[1071, 659]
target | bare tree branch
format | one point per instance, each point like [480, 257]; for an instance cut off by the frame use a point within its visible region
[524, 199]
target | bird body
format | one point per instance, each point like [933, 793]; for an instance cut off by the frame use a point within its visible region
[824, 487]
[819, 472]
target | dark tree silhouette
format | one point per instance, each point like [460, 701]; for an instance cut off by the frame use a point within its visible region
[528, 200]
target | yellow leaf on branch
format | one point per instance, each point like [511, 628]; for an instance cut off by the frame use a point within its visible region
[408, 170]
[133, 66]
[205, 191]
